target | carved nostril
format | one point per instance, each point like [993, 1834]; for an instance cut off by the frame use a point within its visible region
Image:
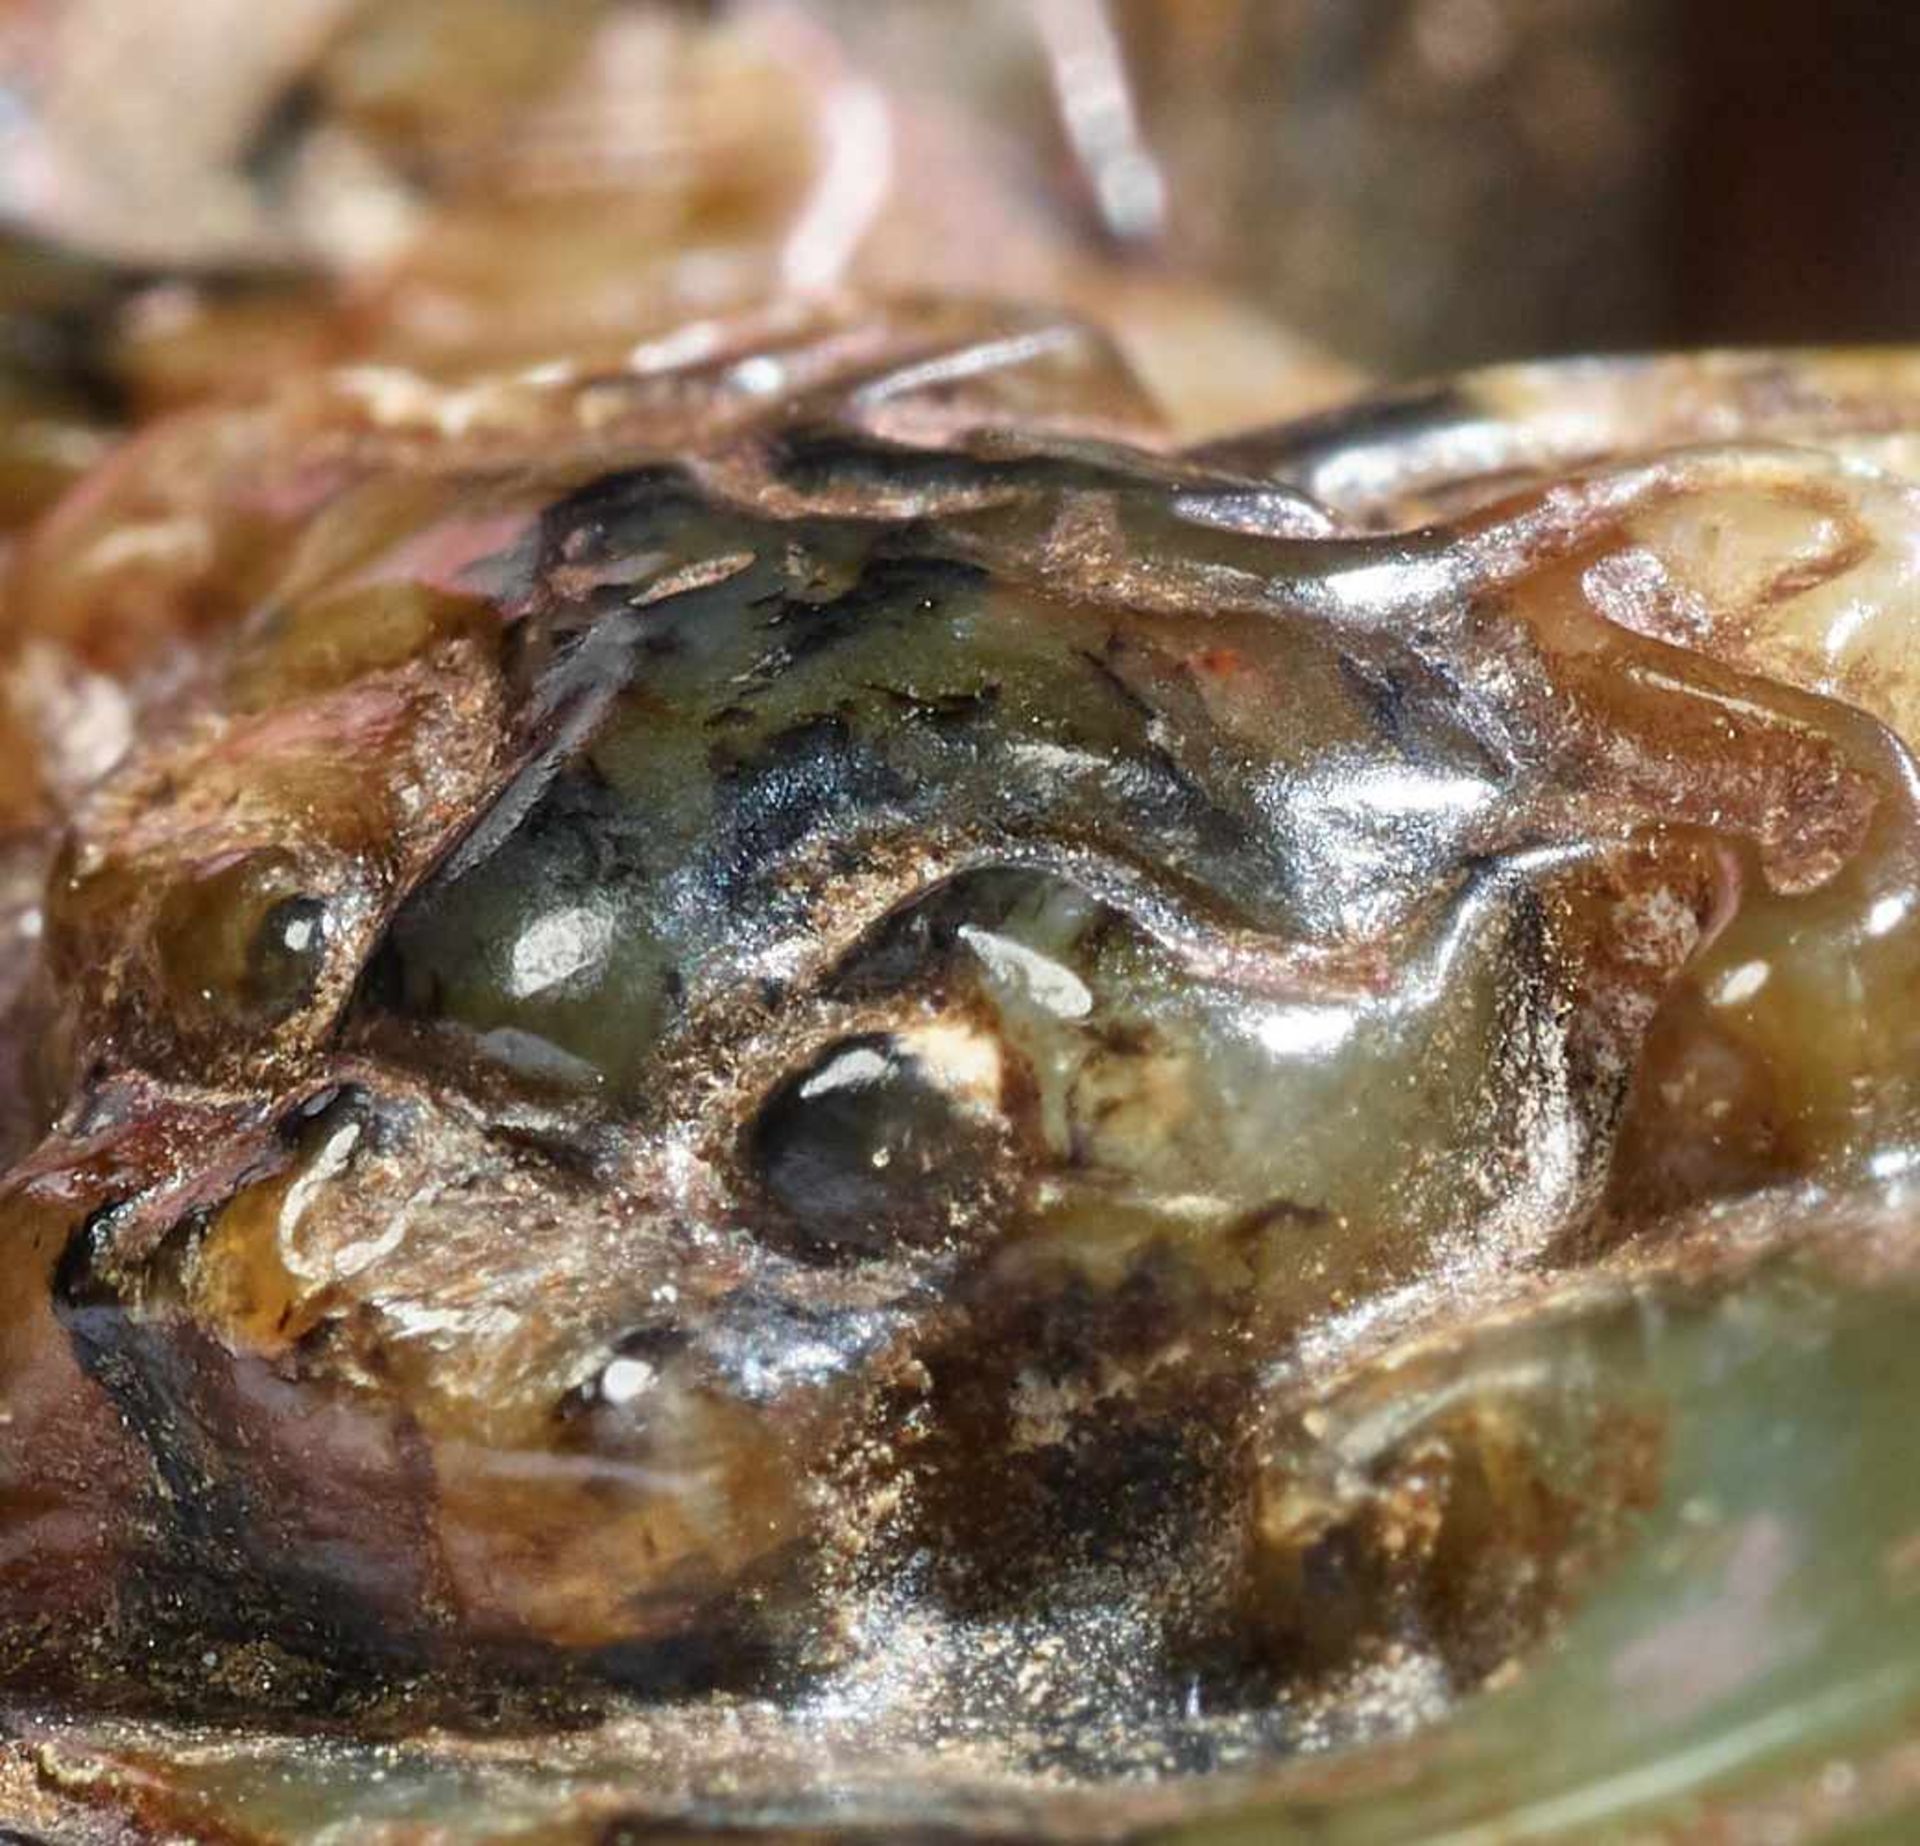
[887, 1141]
[78, 1283]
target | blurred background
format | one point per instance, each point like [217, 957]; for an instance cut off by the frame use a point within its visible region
[1268, 199]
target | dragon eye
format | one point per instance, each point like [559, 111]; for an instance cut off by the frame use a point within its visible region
[243, 941]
